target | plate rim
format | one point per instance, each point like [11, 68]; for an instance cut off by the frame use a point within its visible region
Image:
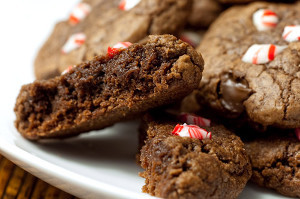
[78, 185]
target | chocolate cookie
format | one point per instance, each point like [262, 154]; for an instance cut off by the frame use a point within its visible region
[108, 89]
[204, 12]
[92, 28]
[212, 164]
[275, 161]
[252, 56]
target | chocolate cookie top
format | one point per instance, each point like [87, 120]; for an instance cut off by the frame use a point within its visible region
[92, 28]
[108, 89]
[215, 166]
[275, 161]
[252, 56]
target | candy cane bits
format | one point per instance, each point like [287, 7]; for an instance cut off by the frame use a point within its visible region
[262, 53]
[194, 119]
[112, 51]
[68, 69]
[74, 42]
[128, 4]
[265, 19]
[291, 33]
[191, 131]
[79, 13]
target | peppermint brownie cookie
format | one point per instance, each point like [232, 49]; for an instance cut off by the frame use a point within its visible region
[252, 56]
[275, 161]
[92, 28]
[204, 12]
[108, 89]
[188, 161]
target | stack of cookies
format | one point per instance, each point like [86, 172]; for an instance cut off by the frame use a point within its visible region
[210, 122]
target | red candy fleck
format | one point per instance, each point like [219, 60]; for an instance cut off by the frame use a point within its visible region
[192, 131]
[112, 51]
[68, 69]
[73, 19]
[128, 4]
[194, 119]
[291, 33]
[79, 13]
[269, 13]
[122, 5]
[271, 54]
[255, 56]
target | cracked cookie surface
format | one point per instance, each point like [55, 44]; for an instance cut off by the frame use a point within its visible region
[107, 25]
[275, 161]
[268, 94]
[183, 167]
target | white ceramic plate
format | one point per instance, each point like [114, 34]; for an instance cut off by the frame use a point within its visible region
[96, 165]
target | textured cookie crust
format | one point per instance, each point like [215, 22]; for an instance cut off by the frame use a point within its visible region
[106, 90]
[178, 167]
[272, 96]
[107, 25]
[204, 12]
[276, 162]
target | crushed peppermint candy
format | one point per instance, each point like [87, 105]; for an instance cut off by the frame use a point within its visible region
[68, 69]
[74, 42]
[297, 132]
[128, 4]
[264, 19]
[190, 37]
[262, 53]
[111, 51]
[192, 131]
[79, 13]
[291, 33]
[194, 119]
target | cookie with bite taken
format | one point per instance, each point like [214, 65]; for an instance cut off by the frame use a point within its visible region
[109, 89]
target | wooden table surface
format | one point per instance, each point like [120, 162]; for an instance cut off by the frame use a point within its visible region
[19, 184]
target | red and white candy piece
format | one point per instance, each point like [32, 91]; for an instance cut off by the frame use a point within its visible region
[122, 45]
[194, 119]
[68, 69]
[79, 13]
[128, 4]
[297, 132]
[111, 51]
[191, 131]
[74, 41]
[190, 37]
[262, 53]
[265, 19]
[291, 33]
